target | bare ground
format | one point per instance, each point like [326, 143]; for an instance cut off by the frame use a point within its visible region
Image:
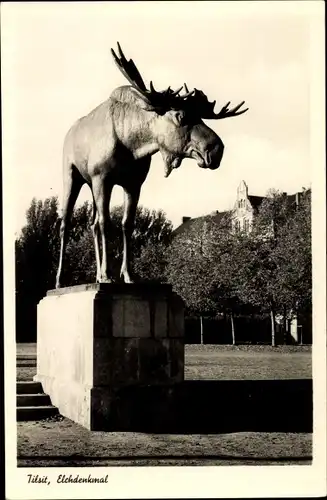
[64, 443]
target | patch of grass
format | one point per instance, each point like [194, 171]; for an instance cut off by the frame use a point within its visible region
[216, 362]
[219, 363]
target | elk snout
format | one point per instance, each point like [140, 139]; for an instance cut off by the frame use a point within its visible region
[214, 154]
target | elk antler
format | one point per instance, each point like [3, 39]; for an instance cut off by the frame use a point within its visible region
[205, 108]
[226, 113]
[195, 102]
[130, 71]
[165, 99]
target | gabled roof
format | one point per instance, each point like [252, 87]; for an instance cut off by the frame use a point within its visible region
[255, 200]
[187, 225]
[217, 217]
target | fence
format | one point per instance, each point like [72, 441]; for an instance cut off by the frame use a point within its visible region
[248, 330]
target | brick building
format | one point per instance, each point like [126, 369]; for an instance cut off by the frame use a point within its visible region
[243, 213]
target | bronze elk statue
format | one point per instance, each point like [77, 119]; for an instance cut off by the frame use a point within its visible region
[114, 143]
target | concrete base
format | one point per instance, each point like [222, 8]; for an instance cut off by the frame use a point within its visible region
[100, 345]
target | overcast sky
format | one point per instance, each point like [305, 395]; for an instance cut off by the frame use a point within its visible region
[57, 66]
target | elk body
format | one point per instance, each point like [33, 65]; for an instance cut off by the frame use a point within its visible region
[114, 143]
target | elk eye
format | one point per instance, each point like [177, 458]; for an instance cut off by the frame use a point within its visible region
[180, 117]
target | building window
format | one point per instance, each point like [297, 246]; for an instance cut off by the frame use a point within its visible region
[237, 225]
[246, 226]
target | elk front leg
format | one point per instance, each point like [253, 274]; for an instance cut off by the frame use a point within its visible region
[72, 186]
[96, 238]
[101, 190]
[131, 198]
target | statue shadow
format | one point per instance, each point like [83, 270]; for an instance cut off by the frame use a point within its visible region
[210, 407]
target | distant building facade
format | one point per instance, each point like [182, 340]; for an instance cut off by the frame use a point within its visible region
[243, 214]
[246, 207]
[241, 218]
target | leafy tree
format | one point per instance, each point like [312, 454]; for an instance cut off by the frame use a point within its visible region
[151, 234]
[226, 257]
[257, 278]
[293, 257]
[37, 250]
[152, 261]
[195, 267]
[188, 270]
[263, 271]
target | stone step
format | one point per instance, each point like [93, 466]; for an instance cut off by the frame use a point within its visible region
[29, 388]
[35, 412]
[33, 400]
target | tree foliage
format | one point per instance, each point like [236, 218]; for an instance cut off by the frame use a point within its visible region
[293, 258]
[37, 252]
[268, 269]
[189, 268]
[214, 269]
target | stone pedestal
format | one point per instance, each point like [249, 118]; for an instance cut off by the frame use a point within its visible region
[109, 352]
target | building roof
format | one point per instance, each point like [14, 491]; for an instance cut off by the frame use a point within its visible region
[255, 200]
[215, 217]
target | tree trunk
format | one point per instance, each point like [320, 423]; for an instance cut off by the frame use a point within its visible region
[201, 329]
[285, 326]
[273, 329]
[233, 327]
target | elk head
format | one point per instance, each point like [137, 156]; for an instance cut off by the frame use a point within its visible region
[178, 126]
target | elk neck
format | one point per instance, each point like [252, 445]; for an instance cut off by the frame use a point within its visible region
[134, 124]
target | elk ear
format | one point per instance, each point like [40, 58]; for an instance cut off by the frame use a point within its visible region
[178, 117]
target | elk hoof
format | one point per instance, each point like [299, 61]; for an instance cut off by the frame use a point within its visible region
[129, 280]
[105, 280]
[126, 278]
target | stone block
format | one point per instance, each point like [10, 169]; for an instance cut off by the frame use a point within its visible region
[177, 359]
[100, 347]
[131, 317]
[124, 362]
[160, 318]
[176, 316]
[154, 358]
[103, 316]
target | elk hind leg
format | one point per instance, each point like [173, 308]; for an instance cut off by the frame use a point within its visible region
[101, 189]
[131, 198]
[96, 238]
[73, 182]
